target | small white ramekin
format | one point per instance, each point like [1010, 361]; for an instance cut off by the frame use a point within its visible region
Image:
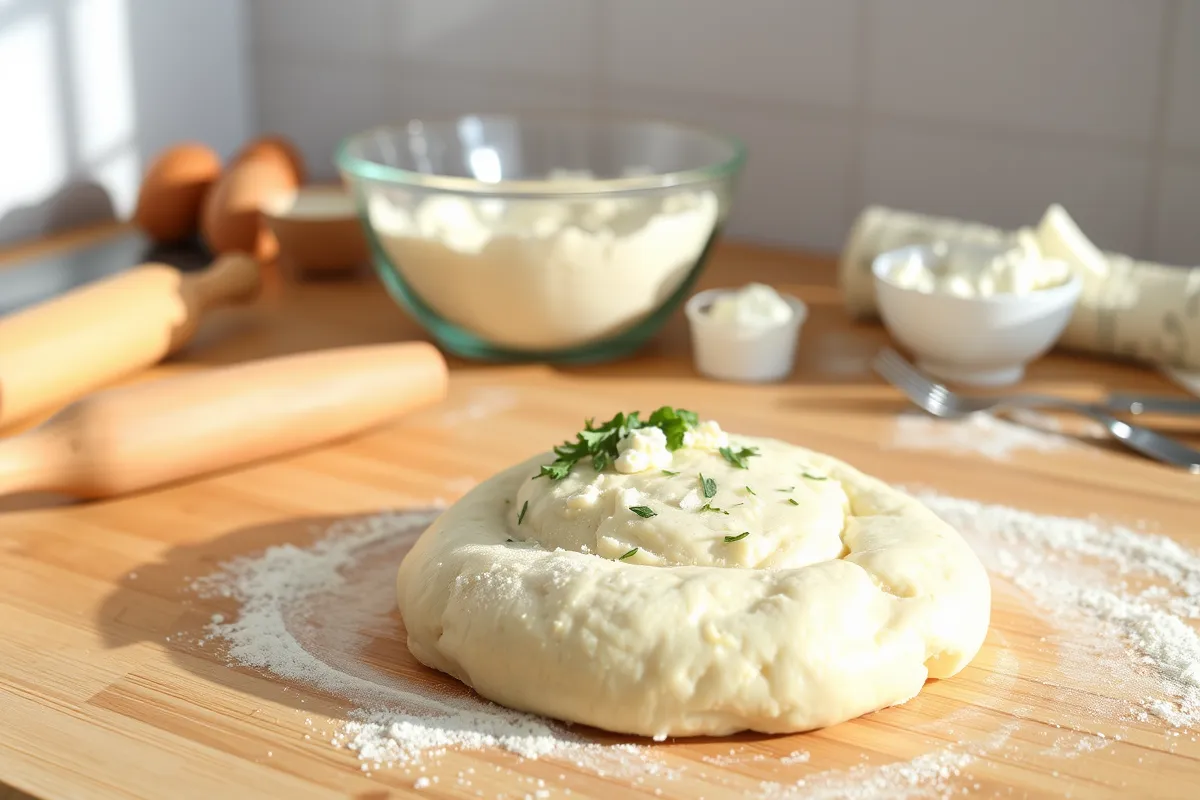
[727, 351]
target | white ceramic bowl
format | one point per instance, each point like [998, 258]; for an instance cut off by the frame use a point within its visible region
[982, 341]
[727, 352]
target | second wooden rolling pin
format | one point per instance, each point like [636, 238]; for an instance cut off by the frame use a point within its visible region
[132, 438]
[59, 351]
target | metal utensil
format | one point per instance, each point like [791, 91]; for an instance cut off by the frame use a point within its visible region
[1130, 403]
[941, 402]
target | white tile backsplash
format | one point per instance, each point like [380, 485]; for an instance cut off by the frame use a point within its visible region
[1007, 183]
[346, 28]
[536, 37]
[797, 52]
[415, 92]
[983, 109]
[794, 188]
[1183, 103]
[317, 104]
[1177, 234]
[1071, 67]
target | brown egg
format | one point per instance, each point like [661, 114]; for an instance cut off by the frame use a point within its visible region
[233, 220]
[278, 147]
[173, 189]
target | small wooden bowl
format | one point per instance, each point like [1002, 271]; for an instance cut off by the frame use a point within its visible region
[318, 231]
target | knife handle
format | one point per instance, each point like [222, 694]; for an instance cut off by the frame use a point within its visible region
[132, 438]
[60, 350]
[1130, 403]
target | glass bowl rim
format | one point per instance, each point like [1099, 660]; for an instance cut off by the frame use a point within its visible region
[367, 169]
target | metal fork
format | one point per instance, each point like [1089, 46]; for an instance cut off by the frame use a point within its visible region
[941, 402]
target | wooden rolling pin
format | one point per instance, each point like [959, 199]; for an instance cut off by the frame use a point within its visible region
[131, 438]
[59, 351]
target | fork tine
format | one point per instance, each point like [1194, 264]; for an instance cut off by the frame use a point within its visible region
[886, 365]
[926, 394]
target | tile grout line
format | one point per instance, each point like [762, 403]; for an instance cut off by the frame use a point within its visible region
[856, 189]
[808, 111]
[598, 86]
[1172, 17]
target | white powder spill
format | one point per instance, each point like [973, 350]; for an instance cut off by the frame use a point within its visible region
[1080, 572]
[1116, 600]
[929, 775]
[482, 404]
[979, 433]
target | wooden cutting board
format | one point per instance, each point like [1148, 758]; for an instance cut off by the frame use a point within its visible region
[105, 691]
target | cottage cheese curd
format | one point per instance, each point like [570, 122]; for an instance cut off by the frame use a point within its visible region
[1019, 270]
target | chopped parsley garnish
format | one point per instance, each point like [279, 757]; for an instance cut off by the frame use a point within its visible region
[711, 507]
[738, 457]
[709, 486]
[599, 442]
[643, 511]
[751, 491]
[813, 477]
[793, 501]
[738, 538]
[630, 554]
[788, 489]
[669, 472]
[521, 516]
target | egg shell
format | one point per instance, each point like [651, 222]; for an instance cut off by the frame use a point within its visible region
[173, 189]
[233, 211]
[277, 147]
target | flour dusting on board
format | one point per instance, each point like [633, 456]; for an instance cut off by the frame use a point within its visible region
[1083, 573]
[979, 433]
[309, 614]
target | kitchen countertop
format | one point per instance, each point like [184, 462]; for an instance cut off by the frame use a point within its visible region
[97, 702]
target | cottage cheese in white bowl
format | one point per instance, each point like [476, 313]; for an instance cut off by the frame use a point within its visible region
[746, 335]
[973, 314]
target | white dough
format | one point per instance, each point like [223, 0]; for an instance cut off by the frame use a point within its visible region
[840, 604]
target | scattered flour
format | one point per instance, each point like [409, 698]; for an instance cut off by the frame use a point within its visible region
[929, 775]
[306, 614]
[1079, 571]
[979, 433]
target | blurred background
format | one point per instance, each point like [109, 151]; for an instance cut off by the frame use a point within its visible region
[978, 109]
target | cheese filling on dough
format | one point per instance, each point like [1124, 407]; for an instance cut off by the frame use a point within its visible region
[791, 513]
[750, 584]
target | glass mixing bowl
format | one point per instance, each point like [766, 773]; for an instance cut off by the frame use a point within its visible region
[540, 237]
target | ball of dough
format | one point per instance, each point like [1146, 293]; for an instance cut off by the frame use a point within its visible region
[705, 599]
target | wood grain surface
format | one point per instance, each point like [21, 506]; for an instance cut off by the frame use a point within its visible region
[104, 691]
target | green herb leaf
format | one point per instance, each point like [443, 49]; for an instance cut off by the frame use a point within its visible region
[690, 418]
[751, 491]
[711, 507]
[599, 442]
[793, 501]
[813, 477]
[555, 471]
[738, 538]
[669, 472]
[630, 554]
[521, 516]
[644, 511]
[708, 485]
[788, 489]
[738, 457]
[735, 505]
